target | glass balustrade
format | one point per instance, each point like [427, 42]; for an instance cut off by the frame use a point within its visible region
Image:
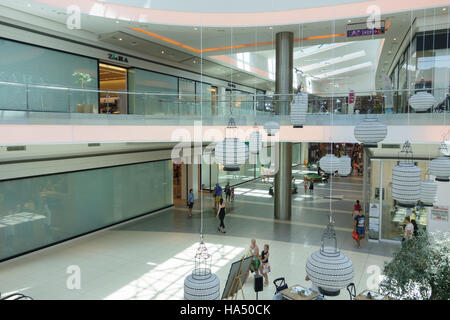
[40, 98]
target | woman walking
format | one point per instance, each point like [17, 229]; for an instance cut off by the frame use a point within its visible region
[190, 201]
[228, 192]
[265, 264]
[221, 215]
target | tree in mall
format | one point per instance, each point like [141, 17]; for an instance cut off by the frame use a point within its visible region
[420, 270]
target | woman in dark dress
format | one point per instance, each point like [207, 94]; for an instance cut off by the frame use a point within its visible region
[221, 215]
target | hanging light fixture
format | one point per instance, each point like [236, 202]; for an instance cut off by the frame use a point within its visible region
[370, 131]
[406, 184]
[422, 101]
[329, 163]
[272, 127]
[328, 268]
[345, 166]
[444, 148]
[201, 284]
[231, 152]
[440, 168]
[255, 143]
[428, 193]
[299, 108]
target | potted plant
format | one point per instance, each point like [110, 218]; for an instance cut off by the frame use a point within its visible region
[83, 79]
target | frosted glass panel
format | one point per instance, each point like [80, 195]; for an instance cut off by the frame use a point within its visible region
[51, 69]
[161, 89]
[39, 211]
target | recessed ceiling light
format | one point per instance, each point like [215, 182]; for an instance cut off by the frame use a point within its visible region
[349, 21]
[395, 39]
[270, 28]
[389, 51]
[194, 61]
[162, 51]
[195, 28]
[120, 39]
[444, 9]
[117, 21]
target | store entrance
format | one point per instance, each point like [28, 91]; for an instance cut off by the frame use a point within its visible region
[112, 78]
[177, 180]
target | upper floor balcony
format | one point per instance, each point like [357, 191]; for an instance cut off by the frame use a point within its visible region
[52, 114]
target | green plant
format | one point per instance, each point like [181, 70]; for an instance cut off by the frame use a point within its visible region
[82, 79]
[420, 269]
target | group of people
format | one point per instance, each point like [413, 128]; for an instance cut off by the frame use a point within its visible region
[360, 226]
[260, 261]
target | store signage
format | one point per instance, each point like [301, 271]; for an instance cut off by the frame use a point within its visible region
[116, 57]
[351, 97]
[439, 213]
[231, 85]
[360, 29]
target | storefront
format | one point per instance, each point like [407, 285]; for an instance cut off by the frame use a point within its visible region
[386, 218]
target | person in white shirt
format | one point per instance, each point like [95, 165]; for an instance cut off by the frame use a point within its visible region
[409, 229]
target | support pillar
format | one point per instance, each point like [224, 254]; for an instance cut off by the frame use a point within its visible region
[366, 183]
[283, 90]
[283, 181]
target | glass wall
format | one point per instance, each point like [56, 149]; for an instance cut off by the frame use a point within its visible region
[203, 95]
[55, 71]
[187, 96]
[424, 65]
[296, 154]
[162, 93]
[391, 215]
[39, 211]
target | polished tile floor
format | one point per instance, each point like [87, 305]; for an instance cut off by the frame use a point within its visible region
[149, 258]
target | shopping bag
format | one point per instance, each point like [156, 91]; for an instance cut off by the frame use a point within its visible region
[354, 235]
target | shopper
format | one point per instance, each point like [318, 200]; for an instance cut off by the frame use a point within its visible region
[415, 227]
[356, 208]
[311, 186]
[217, 195]
[265, 264]
[409, 229]
[190, 201]
[253, 252]
[305, 184]
[232, 194]
[221, 216]
[359, 227]
[228, 191]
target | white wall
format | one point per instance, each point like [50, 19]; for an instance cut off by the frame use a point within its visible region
[443, 194]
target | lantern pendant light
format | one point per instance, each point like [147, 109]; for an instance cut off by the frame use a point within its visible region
[231, 152]
[440, 168]
[202, 284]
[329, 163]
[255, 143]
[422, 101]
[299, 108]
[370, 131]
[345, 166]
[406, 184]
[428, 192]
[328, 268]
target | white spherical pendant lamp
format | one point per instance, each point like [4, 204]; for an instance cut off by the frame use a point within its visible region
[201, 284]
[329, 163]
[406, 184]
[299, 108]
[231, 152]
[271, 128]
[422, 101]
[370, 131]
[328, 268]
[428, 193]
[440, 168]
[255, 143]
[345, 166]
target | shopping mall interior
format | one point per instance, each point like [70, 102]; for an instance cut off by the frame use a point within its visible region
[170, 150]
